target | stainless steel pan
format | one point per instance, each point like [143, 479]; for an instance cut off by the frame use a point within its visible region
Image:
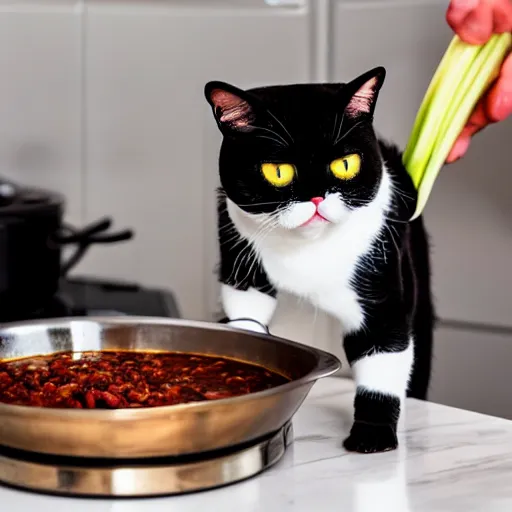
[160, 431]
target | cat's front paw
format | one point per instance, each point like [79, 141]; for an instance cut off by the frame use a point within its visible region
[371, 438]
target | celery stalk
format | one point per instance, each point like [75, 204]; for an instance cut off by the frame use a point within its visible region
[457, 65]
[420, 116]
[462, 77]
[475, 82]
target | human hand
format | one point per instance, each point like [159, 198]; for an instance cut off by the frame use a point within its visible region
[475, 21]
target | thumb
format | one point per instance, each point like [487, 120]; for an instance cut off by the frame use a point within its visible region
[499, 98]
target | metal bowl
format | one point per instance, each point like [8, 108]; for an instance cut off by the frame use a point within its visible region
[174, 430]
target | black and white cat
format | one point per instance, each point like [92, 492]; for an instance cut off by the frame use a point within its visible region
[313, 203]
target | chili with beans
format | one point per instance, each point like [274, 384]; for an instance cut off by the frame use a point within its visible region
[121, 379]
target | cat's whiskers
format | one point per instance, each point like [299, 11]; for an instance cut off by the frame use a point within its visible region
[266, 227]
[347, 132]
[244, 254]
[282, 140]
[260, 204]
[228, 228]
[335, 138]
[334, 128]
[279, 143]
[282, 126]
[232, 239]
[263, 230]
[395, 221]
[247, 252]
[233, 270]
[234, 236]
[255, 262]
[236, 265]
[250, 251]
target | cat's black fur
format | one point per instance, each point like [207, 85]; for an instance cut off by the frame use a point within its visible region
[305, 121]
[392, 279]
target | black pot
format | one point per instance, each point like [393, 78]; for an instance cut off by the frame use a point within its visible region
[32, 235]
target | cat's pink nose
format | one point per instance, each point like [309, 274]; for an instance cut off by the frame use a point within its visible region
[317, 200]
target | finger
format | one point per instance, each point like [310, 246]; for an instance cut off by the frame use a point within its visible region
[499, 99]
[477, 26]
[459, 148]
[458, 10]
[495, 106]
[476, 122]
[502, 16]
[479, 119]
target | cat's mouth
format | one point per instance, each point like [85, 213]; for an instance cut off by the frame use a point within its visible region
[315, 219]
[313, 216]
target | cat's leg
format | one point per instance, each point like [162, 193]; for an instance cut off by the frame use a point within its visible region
[424, 315]
[248, 298]
[248, 309]
[423, 346]
[382, 370]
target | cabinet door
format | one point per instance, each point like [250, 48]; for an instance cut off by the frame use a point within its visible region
[151, 142]
[465, 376]
[40, 77]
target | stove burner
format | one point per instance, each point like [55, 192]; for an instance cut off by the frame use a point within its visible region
[140, 477]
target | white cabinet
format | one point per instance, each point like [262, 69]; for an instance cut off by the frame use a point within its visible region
[151, 144]
[40, 97]
[471, 369]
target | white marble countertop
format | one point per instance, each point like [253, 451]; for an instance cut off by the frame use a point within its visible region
[449, 460]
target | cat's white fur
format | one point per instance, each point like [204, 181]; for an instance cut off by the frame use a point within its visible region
[237, 304]
[317, 261]
[388, 372]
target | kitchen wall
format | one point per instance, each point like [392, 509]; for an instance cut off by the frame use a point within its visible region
[102, 100]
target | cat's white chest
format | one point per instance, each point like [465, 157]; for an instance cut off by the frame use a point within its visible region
[320, 268]
[319, 271]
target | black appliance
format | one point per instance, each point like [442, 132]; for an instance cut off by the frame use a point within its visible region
[33, 273]
[84, 296]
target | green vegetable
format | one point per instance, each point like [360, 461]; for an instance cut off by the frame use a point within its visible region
[462, 77]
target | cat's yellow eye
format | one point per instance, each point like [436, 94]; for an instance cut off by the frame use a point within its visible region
[278, 175]
[347, 167]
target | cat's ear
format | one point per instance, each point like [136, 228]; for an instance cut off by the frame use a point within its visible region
[364, 91]
[230, 106]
